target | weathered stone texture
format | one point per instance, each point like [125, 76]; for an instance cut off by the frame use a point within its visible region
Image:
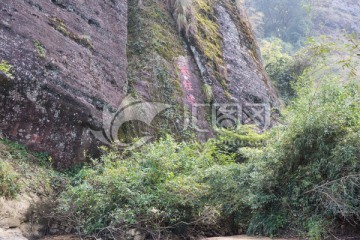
[69, 60]
[241, 77]
[245, 76]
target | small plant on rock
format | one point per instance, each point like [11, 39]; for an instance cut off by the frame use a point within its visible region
[40, 48]
[6, 68]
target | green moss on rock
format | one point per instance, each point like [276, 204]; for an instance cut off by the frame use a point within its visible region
[6, 68]
[207, 35]
[40, 48]
[59, 25]
[152, 29]
[153, 46]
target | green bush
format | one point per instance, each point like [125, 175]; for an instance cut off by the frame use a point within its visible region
[163, 187]
[288, 20]
[154, 188]
[303, 175]
[32, 169]
[9, 180]
[316, 228]
[284, 68]
[40, 48]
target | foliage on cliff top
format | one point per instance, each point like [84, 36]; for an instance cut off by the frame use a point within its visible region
[323, 54]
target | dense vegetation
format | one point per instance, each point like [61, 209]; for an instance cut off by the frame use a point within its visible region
[302, 177]
[289, 20]
[23, 172]
[283, 66]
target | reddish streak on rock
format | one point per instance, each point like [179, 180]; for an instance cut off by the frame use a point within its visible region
[185, 75]
[191, 85]
[191, 99]
[34, 138]
[188, 85]
[15, 129]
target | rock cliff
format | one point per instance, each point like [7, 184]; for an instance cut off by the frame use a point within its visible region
[68, 60]
[211, 59]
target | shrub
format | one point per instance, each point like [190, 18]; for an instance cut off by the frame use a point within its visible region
[153, 189]
[309, 175]
[284, 68]
[308, 167]
[302, 175]
[316, 228]
[33, 170]
[9, 180]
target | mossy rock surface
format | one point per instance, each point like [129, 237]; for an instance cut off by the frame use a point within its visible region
[153, 46]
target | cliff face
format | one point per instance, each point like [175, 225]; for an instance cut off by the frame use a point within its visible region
[213, 60]
[69, 61]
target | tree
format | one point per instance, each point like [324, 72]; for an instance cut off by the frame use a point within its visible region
[284, 19]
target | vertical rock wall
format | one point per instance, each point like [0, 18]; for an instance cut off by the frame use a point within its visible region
[216, 61]
[72, 59]
[68, 60]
